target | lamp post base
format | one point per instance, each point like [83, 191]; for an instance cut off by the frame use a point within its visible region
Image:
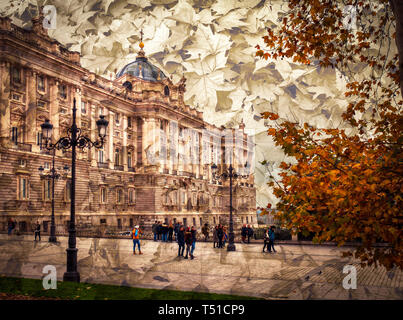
[52, 237]
[71, 276]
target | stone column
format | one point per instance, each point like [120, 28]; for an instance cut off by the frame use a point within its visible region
[30, 119]
[5, 115]
[54, 107]
[93, 132]
[124, 147]
[110, 140]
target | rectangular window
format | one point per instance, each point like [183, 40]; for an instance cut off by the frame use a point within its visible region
[129, 122]
[117, 157]
[194, 222]
[117, 119]
[39, 139]
[119, 196]
[47, 190]
[101, 156]
[14, 135]
[41, 83]
[83, 107]
[23, 188]
[103, 195]
[131, 196]
[16, 75]
[129, 159]
[16, 97]
[62, 91]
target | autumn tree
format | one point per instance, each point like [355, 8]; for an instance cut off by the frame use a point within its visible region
[345, 183]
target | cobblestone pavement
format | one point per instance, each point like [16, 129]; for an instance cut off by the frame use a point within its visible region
[294, 272]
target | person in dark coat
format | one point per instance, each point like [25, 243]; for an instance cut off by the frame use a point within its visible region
[170, 231]
[188, 242]
[244, 233]
[249, 232]
[154, 229]
[38, 231]
[205, 232]
[220, 235]
[176, 230]
[272, 237]
[215, 237]
[159, 230]
[181, 241]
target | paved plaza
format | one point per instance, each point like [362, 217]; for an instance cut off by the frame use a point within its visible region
[294, 272]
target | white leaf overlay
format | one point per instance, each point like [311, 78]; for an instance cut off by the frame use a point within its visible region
[213, 45]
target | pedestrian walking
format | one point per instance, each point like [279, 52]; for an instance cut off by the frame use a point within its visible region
[244, 233]
[170, 231]
[154, 230]
[188, 242]
[136, 239]
[37, 231]
[215, 237]
[194, 236]
[272, 237]
[249, 232]
[266, 241]
[181, 241]
[205, 232]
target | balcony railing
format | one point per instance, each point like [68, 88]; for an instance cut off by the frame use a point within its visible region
[22, 146]
[118, 167]
[102, 165]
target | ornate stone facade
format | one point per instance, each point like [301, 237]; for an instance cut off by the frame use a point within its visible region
[122, 184]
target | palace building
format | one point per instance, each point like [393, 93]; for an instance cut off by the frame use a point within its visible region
[156, 160]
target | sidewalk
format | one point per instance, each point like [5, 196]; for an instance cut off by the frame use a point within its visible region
[294, 272]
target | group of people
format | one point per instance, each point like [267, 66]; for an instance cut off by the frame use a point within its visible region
[184, 236]
[220, 236]
[246, 232]
[163, 231]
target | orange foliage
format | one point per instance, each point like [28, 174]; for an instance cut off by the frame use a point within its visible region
[344, 187]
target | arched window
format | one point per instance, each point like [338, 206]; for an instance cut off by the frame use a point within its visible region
[166, 90]
[128, 85]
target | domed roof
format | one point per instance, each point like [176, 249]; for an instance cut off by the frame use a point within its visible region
[142, 69]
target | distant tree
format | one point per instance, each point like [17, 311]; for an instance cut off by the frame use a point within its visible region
[345, 184]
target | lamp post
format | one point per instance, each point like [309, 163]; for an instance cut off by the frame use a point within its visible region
[73, 139]
[52, 175]
[231, 174]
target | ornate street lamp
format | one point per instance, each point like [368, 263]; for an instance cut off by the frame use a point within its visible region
[52, 175]
[74, 139]
[231, 175]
